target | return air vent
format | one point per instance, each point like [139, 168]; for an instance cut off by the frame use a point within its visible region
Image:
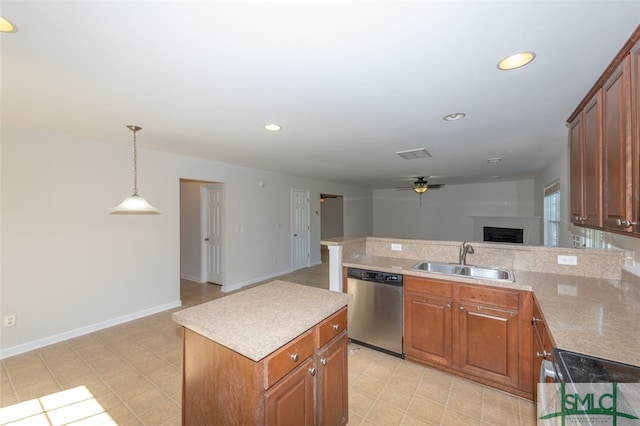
[414, 154]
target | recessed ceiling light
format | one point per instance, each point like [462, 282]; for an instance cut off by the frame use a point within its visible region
[6, 26]
[494, 160]
[272, 127]
[454, 116]
[516, 60]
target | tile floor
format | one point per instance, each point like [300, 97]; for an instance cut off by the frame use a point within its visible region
[130, 375]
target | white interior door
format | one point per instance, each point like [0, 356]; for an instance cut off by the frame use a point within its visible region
[300, 245]
[213, 220]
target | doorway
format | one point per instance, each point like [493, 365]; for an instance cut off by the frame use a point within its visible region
[202, 248]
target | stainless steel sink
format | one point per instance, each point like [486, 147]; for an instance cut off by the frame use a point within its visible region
[479, 272]
[488, 273]
[438, 268]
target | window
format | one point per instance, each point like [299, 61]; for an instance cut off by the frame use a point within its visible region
[594, 238]
[552, 214]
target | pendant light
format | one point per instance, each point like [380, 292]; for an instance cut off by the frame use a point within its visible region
[134, 204]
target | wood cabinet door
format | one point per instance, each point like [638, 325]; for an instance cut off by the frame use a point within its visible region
[332, 397]
[576, 142]
[585, 140]
[617, 164]
[488, 343]
[427, 328]
[635, 141]
[290, 401]
[592, 162]
[542, 346]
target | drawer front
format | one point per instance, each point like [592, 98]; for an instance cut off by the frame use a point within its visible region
[428, 286]
[489, 296]
[331, 327]
[288, 357]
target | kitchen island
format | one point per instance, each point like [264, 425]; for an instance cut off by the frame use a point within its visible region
[272, 354]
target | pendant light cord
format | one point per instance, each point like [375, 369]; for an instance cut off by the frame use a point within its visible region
[135, 164]
[134, 129]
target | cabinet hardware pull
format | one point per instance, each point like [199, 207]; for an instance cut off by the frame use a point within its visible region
[462, 308]
[336, 327]
[449, 305]
[536, 319]
[625, 223]
[312, 371]
[323, 361]
[294, 357]
[543, 354]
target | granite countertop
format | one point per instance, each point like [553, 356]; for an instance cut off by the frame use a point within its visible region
[593, 316]
[257, 321]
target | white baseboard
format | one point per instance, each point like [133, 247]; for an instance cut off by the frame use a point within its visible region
[227, 288]
[56, 338]
[192, 278]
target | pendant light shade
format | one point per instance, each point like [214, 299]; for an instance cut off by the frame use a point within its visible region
[134, 204]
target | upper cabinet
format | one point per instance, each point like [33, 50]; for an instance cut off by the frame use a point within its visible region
[635, 134]
[616, 148]
[605, 148]
[586, 165]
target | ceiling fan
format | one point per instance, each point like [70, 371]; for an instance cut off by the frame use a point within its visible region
[420, 186]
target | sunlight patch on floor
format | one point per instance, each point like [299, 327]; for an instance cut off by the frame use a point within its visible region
[75, 406]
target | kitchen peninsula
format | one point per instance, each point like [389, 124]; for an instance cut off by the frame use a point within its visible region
[590, 308]
[273, 354]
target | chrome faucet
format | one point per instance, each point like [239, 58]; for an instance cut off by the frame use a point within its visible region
[465, 249]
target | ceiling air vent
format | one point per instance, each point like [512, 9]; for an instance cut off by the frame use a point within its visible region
[414, 154]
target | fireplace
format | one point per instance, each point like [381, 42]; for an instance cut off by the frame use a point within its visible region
[503, 235]
[508, 229]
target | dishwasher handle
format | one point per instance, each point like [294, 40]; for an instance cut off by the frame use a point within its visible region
[375, 276]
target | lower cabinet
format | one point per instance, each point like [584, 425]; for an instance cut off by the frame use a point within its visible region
[290, 401]
[543, 345]
[332, 396]
[475, 331]
[488, 343]
[302, 383]
[433, 342]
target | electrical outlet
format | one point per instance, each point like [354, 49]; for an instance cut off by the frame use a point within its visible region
[629, 257]
[567, 260]
[396, 247]
[9, 321]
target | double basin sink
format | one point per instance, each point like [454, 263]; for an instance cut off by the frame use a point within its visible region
[480, 272]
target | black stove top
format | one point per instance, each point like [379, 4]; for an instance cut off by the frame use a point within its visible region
[580, 368]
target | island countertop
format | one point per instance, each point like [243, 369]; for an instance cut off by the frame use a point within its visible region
[257, 321]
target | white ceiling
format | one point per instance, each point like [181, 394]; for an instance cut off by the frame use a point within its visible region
[350, 83]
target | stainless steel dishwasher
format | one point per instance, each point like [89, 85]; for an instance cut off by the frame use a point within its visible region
[375, 311]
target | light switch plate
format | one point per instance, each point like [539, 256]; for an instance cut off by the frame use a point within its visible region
[396, 247]
[567, 260]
